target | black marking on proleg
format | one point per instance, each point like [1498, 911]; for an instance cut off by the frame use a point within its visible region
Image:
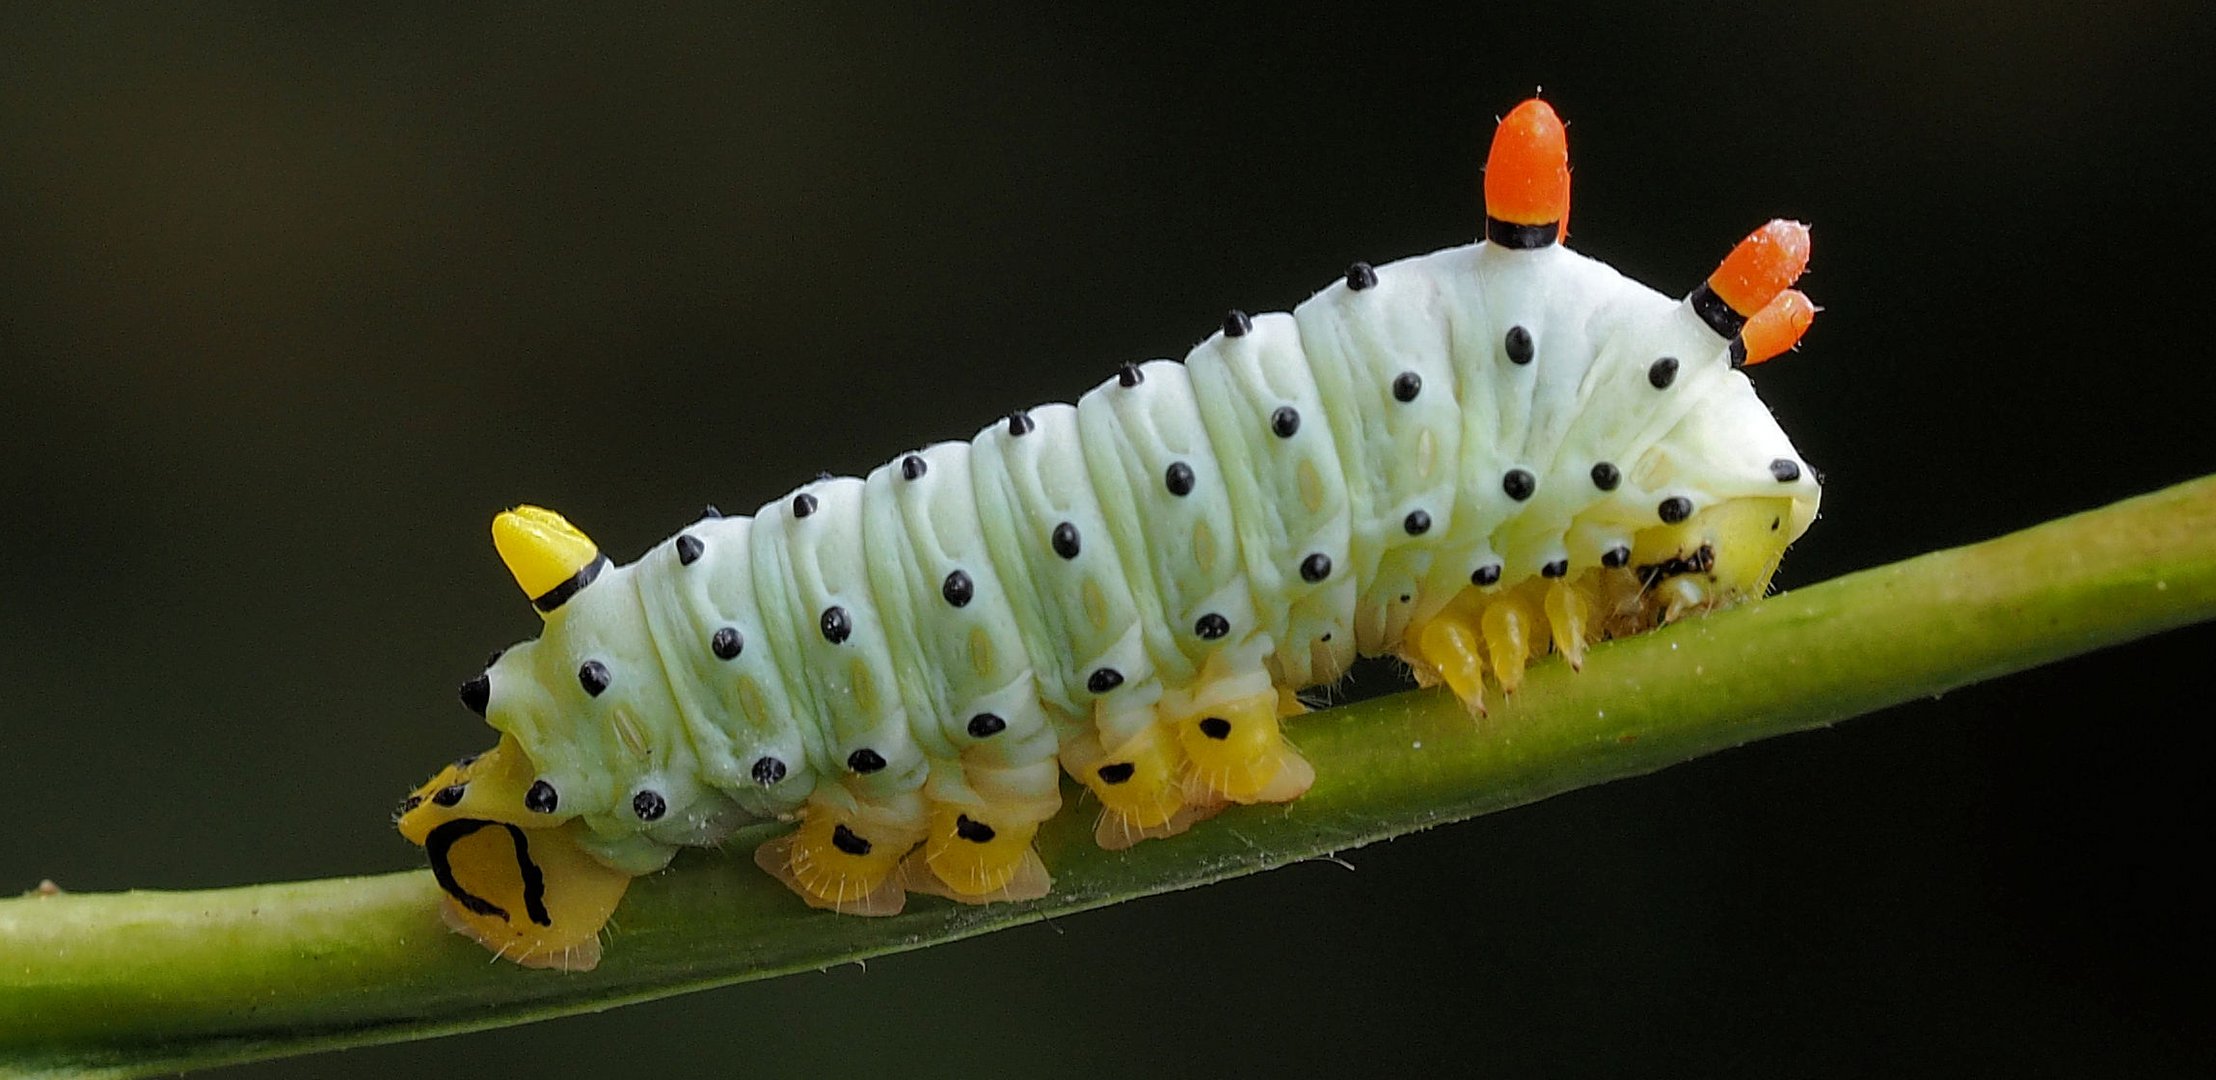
[1128, 375]
[1519, 346]
[1508, 234]
[835, 625]
[1179, 479]
[1102, 680]
[972, 830]
[1285, 421]
[1701, 561]
[804, 504]
[1116, 773]
[1019, 423]
[450, 795]
[542, 798]
[1488, 574]
[593, 676]
[1616, 558]
[689, 549]
[1065, 540]
[1315, 568]
[1555, 569]
[958, 589]
[1236, 323]
[768, 771]
[1785, 469]
[1215, 727]
[912, 467]
[849, 841]
[1606, 476]
[438, 847]
[1662, 373]
[1674, 509]
[649, 805]
[865, 761]
[727, 643]
[1416, 523]
[1713, 311]
[560, 594]
[1211, 627]
[985, 725]
[1361, 276]
[477, 693]
[1519, 484]
[534, 879]
[1406, 386]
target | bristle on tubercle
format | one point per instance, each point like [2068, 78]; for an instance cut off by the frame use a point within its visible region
[1778, 326]
[1527, 178]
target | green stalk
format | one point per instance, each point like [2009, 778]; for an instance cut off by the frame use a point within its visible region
[140, 983]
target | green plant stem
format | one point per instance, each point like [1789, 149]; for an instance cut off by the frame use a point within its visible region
[138, 983]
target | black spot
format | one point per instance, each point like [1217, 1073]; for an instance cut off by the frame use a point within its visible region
[593, 676]
[649, 805]
[449, 795]
[958, 589]
[1019, 423]
[847, 840]
[689, 549]
[727, 643]
[985, 725]
[1702, 560]
[1406, 386]
[1785, 469]
[407, 806]
[912, 467]
[804, 504]
[1236, 323]
[1179, 479]
[1128, 375]
[1605, 476]
[976, 832]
[768, 771]
[1519, 484]
[1065, 540]
[1774, 523]
[1405, 597]
[1285, 421]
[835, 625]
[1211, 626]
[1674, 509]
[1315, 568]
[477, 693]
[1103, 680]
[1555, 569]
[1518, 344]
[1361, 276]
[1488, 574]
[865, 761]
[1616, 558]
[1116, 773]
[1416, 523]
[1662, 373]
[1325, 638]
[710, 513]
[542, 798]
[1216, 727]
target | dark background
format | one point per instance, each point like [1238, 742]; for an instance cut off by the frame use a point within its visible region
[292, 300]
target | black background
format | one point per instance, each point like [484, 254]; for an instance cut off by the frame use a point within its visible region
[291, 300]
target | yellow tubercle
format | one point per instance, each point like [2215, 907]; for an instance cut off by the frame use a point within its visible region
[542, 549]
[1449, 646]
[1568, 613]
[1508, 632]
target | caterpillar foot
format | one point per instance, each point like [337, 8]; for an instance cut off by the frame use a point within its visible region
[1141, 791]
[977, 855]
[840, 862]
[1449, 650]
[1238, 753]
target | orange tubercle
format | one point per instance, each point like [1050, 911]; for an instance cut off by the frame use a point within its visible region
[1778, 326]
[1527, 172]
[1764, 264]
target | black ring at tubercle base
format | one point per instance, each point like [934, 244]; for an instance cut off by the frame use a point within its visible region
[1508, 234]
[560, 594]
[1713, 311]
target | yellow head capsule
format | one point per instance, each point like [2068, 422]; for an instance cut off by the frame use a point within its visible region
[549, 557]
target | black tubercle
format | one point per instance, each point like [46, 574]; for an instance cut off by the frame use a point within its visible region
[1361, 276]
[835, 624]
[649, 805]
[985, 725]
[1211, 627]
[1488, 574]
[1674, 509]
[1662, 373]
[727, 643]
[1315, 568]
[1519, 346]
[477, 693]
[804, 504]
[1102, 680]
[1786, 470]
[1555, 569]
[542, 798]
[1616, 558]
[768, 771]
[689, 549]
[1019, 423]
[1236, 323]
[913, 467]
[1606, 476]
[1285, 421]
[593, 676]
[1416, 523]
[865, 761]
[1128, 375]
[450, 795]
[1519, 484]
[1406, 386]
[958, 589]
[1178, 478]
[1065, 540]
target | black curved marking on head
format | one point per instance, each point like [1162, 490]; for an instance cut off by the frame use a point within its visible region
[1606, 476]
[1285, 421]
[1416, 523]
[1128, 375]
[1102, 680]
[1786, 470]
[477, 693]
[1674, 509]
[438, 847]
[1616, 558]
[1215, 727]
[1211, 627]
[542, 798]
[913, 467]
[835, 625]
[560, 594]
[1488, 574]
[1662, 373]
[985, 725]
[1519, 346]
[865, 761]
[727, 643]
[1508, 234]
[972, 830]
[1315, 568]
[649, 805]
[804, 504]
[958, 589]
[1519, 484]
[1361, 276]
[768, 771]
[849, 841]
[593, 676]
[1555, 569]
[1065, 540]
[1713, 311]
[1236, 323]
[1019, 423]
[1406, 386]
[689, 549]
[450, 795]
[1116, 773]
[1178, 478]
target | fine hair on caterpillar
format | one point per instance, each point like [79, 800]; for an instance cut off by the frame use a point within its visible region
[1469, 459]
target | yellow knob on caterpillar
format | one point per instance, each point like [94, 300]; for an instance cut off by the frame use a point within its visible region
[550, 558]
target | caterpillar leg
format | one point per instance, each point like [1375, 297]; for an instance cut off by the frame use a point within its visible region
[1237, 752]
[1140, 785]
[983, 817]
[844, 855]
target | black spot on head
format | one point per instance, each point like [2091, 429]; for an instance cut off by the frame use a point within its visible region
[1236, 323]
[449, 795]
[1215, 727]
[689, 549]
[1416, 523]
[1785, 469]
[804, 504]
[1065, 540]
[1616, 558]
[835, 625]
[1102, 680]
[1555, 569]
[958, 589]
[593, 676]
[727, 643]
[542, 798]
[1019, 423]
[1488, 574]
[1606, 476]
[1662, 373]
[477, 693]
[913, 467]
[1519, 484]
[849, 841]
[1315, 568]
[1406, 386]
[1178, 478]
[1674, 509]
[985, 725]
[1211, 626]
[972, 830]
[1361, 276]
[649, 805]
[865, 761]
[1128, 375]
[1285, 421]
[1519, 346]
[768, 771]
[1116, 773]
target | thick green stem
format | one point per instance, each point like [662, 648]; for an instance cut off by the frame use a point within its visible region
[146, 982]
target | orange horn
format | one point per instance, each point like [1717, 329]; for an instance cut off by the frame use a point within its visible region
[1777, 327]
[1527, 179]
[1764, 264]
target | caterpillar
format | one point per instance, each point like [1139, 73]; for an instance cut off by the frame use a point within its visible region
[1468, 459]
